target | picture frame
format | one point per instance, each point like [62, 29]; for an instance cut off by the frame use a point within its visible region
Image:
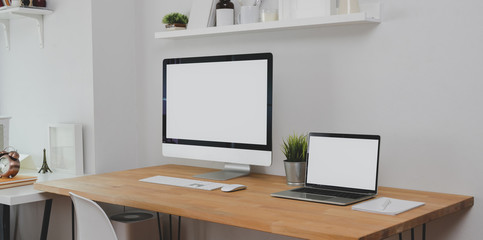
[66, 154]
[4, 132]
[200, 14]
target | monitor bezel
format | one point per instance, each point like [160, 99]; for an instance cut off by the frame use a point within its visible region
[221, 58]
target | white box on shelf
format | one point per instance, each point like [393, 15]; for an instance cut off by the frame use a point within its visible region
[296, 9]
[4, 132]
[66, 148]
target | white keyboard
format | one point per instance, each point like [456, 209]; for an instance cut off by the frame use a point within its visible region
[183, 182]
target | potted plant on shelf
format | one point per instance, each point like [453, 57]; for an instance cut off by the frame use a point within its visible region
[175, 21]
[295, 149]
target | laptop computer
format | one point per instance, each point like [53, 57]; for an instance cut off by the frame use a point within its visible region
[341, 169]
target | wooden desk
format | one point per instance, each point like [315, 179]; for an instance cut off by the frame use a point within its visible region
[254, 208]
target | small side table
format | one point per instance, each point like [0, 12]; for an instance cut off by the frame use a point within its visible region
[27, 194]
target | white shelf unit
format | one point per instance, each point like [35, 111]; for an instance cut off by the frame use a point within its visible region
[9, 13]
[371, 14]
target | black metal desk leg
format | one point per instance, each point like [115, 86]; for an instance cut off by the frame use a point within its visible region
[424, 231]
[170, 228]
[46, 219]
[179, 227]
[6, 222]
[159, 227]
[73, 227]
[412, 233]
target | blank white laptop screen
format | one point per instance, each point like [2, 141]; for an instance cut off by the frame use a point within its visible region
[343, 162]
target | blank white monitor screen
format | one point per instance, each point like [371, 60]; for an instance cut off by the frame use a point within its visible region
[343, 162]
[218, 101]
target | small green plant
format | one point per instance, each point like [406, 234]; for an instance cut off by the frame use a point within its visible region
[172, 18]
[295, 148]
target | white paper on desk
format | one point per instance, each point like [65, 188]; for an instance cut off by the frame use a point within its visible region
[395, 206]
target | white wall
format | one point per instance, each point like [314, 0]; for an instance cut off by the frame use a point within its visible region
[49, 85]
[84, 74]
[115, 83]
[414, 79]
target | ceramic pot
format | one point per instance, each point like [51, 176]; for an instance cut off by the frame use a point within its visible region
[295, 172]
[175, 26]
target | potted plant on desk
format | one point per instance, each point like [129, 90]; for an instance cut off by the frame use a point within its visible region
[295, 149]
[175, 21]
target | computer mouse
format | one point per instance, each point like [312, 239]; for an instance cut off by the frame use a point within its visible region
[232, 187]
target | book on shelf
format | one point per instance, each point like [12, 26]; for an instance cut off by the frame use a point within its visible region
[18, 180]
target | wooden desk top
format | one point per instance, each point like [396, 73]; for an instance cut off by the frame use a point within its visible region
[254, 208]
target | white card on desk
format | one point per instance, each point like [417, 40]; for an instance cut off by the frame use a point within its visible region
[385, 205]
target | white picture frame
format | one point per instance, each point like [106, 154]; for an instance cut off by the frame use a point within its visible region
[66, 153]
[200, 14]
[4, 132]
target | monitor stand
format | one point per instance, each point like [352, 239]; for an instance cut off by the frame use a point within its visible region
[231, 170]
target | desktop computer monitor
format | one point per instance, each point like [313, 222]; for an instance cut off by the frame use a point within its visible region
[219, 108]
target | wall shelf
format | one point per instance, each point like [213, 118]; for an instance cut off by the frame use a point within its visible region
[372, 15]
[9, 13]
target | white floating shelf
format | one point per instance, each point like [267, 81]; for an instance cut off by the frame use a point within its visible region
[303, 23]
[9, 13]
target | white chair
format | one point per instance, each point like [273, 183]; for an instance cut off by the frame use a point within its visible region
[92, 222]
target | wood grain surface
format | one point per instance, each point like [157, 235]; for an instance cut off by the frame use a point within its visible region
[254, 208]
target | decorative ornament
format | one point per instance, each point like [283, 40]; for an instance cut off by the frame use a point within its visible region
[45, 168]
[9, 163]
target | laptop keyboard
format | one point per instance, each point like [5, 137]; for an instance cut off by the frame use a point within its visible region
[329, 193]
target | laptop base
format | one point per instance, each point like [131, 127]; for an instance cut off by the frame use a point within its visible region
[341, 201]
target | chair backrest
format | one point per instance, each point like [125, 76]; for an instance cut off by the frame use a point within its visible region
[92, 222]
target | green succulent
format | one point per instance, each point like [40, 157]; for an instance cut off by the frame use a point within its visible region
[295, 148]
[172, 18]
